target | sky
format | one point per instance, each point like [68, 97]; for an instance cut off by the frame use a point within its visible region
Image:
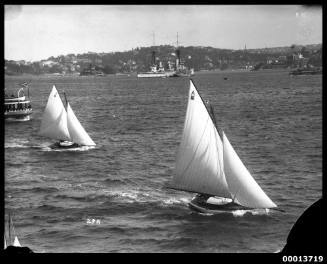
[37, 32]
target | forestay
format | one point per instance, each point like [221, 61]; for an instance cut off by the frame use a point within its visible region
[243, 187]
[199, 162]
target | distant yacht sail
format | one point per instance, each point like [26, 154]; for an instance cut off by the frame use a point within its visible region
[61, 124]
[13, 245]
[76, 130]
[16, 242]
[207, 164]
[11, 231]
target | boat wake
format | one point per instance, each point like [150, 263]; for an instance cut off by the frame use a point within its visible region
[17, 144]
[9, 119]
[242, 212]
[236, 213]
[174, 200]
[137, 196]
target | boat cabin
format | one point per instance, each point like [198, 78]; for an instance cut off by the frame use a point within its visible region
[17, 106]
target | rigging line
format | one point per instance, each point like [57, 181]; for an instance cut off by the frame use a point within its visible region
[220, 163]
[233, 198]
[219, 130]
[213, 118]
[203, 102]
[9, 229]
[5, 241]
[13, 229]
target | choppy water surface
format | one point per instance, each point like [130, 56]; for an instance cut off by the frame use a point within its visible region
[113, 198]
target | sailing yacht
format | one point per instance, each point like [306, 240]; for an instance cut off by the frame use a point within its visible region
[11, 241]
[60, 123]
[208, 165]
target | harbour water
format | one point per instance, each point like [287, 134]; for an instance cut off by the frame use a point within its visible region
[114, 198]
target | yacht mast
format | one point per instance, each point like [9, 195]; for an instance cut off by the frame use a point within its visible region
[153, 51]
[66, 100]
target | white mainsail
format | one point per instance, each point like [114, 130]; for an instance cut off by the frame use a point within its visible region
[54, 120]
[77, 132]
[199, 162]
[241, 184]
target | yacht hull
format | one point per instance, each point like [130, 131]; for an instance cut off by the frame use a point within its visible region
[210, 209]
[68, 145]
[214, 205]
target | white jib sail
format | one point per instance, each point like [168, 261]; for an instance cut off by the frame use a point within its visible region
[240, 182]
[5, 242]
[199, 164]
[77, 132]
[54, 120]
[16, 242]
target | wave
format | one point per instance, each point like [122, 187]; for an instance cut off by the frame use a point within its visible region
[174, 200]
[166, 243]
[17, 144]
[235, 213]
[129, 197]
[138, 196]
[51, 208]
[242, 212]
[39, 189]
[114, 181]
[82, 198]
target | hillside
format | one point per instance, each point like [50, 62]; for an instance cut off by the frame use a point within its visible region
[199, 58]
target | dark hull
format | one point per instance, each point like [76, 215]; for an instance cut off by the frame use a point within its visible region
[14, 250]
[57, 145]
[202, 204]
[214, 208]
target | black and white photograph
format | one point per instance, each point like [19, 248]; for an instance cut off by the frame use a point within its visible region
[163, 129]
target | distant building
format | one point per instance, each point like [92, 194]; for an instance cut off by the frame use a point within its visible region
[20, 62]
[48, 63]
[84, 60]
